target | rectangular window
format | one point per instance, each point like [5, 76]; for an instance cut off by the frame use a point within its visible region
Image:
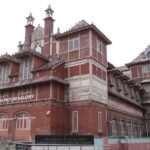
[4, 72]
[99, 122]
[75, 121]
[146, 68]
[25, 91]
[25, 69]
[98, 46]
[3, 122]
[74, 44]
[4, 94]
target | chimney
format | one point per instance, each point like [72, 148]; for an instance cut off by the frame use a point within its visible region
[48, 31]
[29, 28]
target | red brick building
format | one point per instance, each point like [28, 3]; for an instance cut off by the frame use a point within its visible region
[62, 84]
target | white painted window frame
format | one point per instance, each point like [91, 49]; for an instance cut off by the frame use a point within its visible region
[3, 122]
[99, 122]
[75, 124]
[73, 42]
[4, 72]
[23, 123]
[99, 46]
[25, 69]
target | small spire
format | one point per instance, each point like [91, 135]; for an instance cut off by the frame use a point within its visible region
[30, 19]
[58, 30]
[20, 45]
[49, 11]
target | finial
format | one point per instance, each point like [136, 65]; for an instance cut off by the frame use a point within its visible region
[20, 45]
[30, 19]
[58, 30]
[49, 11]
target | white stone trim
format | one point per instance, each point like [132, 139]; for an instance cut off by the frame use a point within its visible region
[97, 64]
[77, 123]
[76, 63]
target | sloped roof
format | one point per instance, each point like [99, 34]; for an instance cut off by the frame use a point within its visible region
[83, 25]
[123, 68]
[33, 81]
[29, 52]
[7, 57]
[78, 25]
[53, 61]
[141, 58]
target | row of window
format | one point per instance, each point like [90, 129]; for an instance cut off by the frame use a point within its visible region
[25, 71]
[123, 88]
[74, 44]
[123, 129]
[22, 121]
[22, 91]
[75, 122]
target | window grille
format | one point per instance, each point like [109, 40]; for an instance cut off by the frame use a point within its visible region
[25, 69]
[3, 122]
[23, 121]
[75, 121]
[4, 72]
[74, 44]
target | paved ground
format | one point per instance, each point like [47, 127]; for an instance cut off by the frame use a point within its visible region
[7, 146]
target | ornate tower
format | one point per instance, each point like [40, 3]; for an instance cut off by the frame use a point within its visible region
[29, 28]
[48, 31]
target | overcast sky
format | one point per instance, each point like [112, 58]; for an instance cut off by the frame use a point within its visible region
[125, 22]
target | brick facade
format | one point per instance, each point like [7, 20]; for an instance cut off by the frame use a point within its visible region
[71, 74]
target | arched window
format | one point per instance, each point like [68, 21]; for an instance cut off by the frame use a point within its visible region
[114, 127]
[23, 121]
[135, 130]
[129, 129]
[3, 122]
[122, 128]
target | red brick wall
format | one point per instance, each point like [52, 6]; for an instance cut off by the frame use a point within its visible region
[130, 146]
[14, 68]
[43, 73]
[99, 72]
[74, 55]
[44, 91]
[134, 71]
[74, 71]
[88, 118]
[59, 71]
[77, 70]
[101, 57]
[38, 62]
[85, 68]
[55, 123]
[48, 28]
[82, 52]
[28, 32]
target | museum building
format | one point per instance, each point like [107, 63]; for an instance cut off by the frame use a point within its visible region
[62, 84]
